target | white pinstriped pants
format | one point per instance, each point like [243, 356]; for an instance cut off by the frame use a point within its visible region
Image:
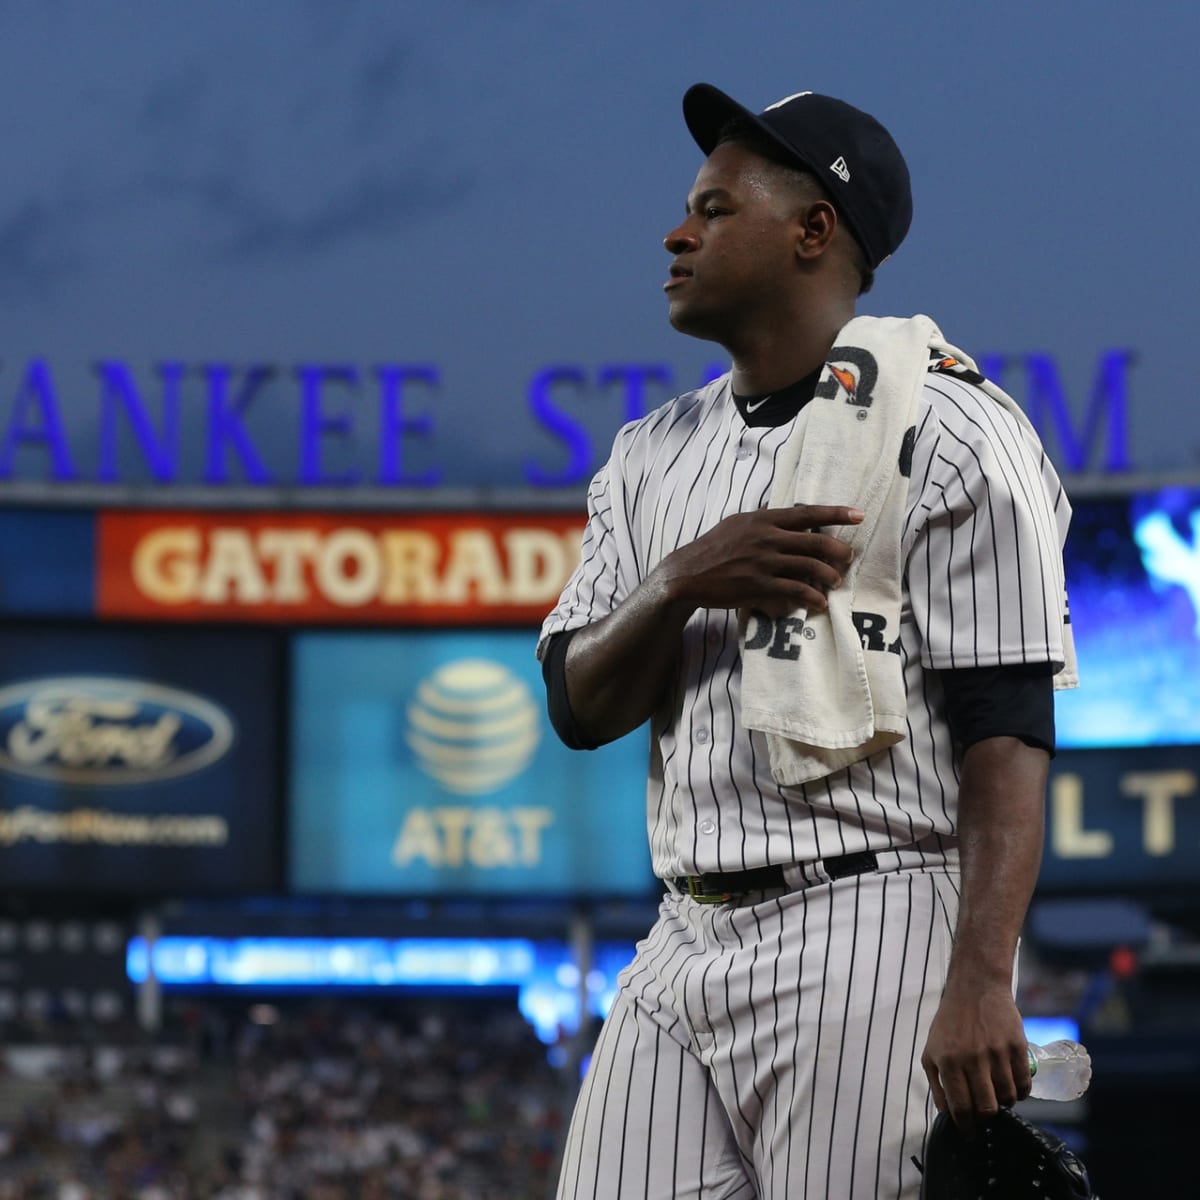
[770, 1049]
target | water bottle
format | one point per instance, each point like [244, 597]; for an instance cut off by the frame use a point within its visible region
[1061, 1070]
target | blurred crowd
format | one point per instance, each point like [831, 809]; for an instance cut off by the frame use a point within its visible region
[413, 1098]
[436, 1103]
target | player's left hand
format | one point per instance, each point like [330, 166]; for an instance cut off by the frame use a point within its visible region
[976, 1056]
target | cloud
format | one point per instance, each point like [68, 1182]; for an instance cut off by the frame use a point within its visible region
[34, 253]
[270, 161]
[378, 88]
[247, 224]
[171, 103]
[260, 141]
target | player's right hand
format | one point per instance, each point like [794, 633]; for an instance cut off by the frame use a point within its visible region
[774, 559]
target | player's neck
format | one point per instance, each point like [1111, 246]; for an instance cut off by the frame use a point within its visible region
[768, 359]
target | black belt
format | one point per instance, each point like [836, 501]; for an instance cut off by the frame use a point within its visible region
[717, 887]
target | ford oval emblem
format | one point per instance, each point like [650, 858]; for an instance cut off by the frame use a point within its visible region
[103, 730]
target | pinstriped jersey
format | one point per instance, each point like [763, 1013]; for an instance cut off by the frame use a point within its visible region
[985, 518]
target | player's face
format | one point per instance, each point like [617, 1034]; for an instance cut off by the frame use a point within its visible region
[734, 253]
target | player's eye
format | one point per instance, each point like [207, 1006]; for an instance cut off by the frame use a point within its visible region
[712, 211]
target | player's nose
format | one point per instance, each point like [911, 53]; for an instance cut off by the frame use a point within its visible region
[680, 240]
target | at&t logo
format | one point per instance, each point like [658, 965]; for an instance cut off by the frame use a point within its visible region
[473, 726]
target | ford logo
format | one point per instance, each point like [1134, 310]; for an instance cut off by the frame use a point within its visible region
[98, 730]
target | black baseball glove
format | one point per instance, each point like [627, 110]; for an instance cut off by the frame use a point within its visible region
[1007, 1159]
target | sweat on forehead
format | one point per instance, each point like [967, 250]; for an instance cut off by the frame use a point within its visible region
[736, 166]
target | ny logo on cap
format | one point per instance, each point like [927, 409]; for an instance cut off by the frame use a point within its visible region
[840, 169]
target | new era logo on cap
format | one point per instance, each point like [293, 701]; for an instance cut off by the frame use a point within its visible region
[840, 169]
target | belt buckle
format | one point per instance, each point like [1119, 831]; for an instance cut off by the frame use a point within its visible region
[695, 885]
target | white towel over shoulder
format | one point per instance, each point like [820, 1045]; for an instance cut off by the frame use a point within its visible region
[807, 682]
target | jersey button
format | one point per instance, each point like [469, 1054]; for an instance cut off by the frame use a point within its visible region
[744, 452]
[702, 736]
[707, 826]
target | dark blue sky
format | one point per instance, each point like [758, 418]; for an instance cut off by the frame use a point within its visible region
[483, 187]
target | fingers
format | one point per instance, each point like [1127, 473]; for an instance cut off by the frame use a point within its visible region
[786, 598]
[809, 568]
[797, 584]
[1021, 1076]
[935, 1082]
[966, 1094]
[766, 559]
[799, 533]
[976, 1088]
[814, 516]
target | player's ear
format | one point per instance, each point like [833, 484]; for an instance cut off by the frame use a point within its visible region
[816, 224]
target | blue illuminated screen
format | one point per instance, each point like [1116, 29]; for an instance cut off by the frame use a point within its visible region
[544, 972]
[1133, 575]
[1044, 1030]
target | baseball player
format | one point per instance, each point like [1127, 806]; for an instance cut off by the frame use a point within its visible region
[831, 960]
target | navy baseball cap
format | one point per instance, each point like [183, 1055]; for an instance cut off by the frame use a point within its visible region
[852, 155]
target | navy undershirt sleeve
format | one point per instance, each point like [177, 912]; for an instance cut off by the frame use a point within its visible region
[981, 702]
[1008, 701]
[554, 672]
